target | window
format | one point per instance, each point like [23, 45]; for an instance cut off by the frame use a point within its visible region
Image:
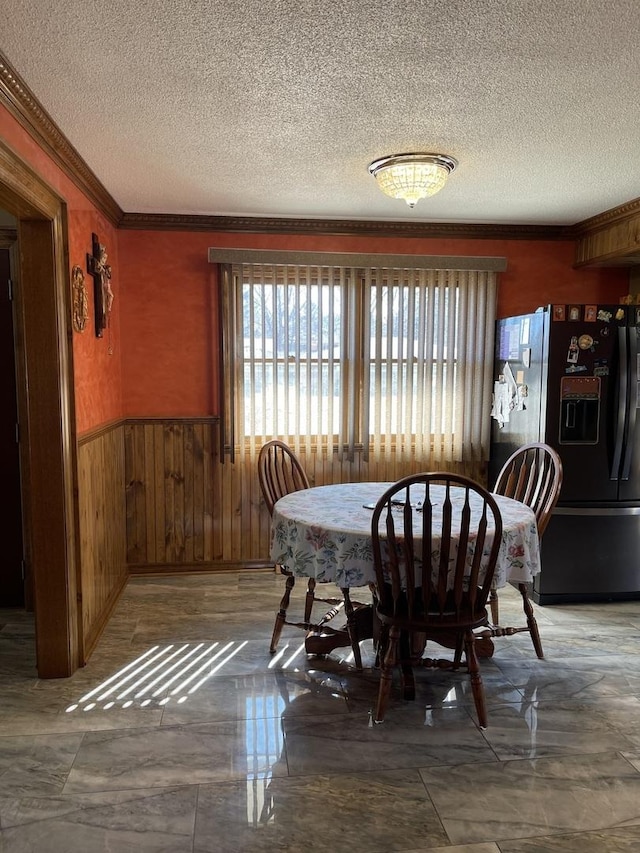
[382, 359]
[292, 379]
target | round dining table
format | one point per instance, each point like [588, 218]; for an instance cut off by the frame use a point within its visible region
[324, 533]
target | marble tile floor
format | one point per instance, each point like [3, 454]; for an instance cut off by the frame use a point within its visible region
[184, 735]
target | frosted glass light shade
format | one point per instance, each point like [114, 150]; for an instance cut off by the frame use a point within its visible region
[412, 176]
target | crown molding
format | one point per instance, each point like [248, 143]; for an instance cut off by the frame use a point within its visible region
[24, 106]
[628, 210]
[379, 228]
[26, 109]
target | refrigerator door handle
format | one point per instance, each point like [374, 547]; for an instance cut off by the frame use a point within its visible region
[623, 370]
[632, 401]
[570, 417]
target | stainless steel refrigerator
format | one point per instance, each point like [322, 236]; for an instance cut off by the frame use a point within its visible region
[569, 375]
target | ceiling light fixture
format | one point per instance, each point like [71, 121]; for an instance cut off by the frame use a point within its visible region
[412, 176]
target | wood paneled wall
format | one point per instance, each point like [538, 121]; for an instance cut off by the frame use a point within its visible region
[170, 492]
[187, 511]
[101, 501]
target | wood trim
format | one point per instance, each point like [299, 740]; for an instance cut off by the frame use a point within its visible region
[354, 259]
[52, 487]
[100, 431]
[202, 419]
[608, 217]
[199, 568]
[45, 393]
[109, 426]
[349, 227]
[95, 631]
[22, 192]
[25, 107]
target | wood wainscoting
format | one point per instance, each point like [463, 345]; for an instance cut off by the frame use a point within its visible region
[186, 511]
[101, 501]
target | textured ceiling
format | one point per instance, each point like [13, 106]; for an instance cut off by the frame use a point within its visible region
[275, 108]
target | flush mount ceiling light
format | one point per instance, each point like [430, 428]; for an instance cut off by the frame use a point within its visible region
[412, 176]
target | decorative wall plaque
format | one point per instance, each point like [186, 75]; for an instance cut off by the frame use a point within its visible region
[80, 299]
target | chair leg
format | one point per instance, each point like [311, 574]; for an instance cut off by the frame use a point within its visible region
[493, 604]
[281, 616]
[352, 629]
[377, 629]
[381, 645]
[531, 620]
[406, 667]
[310, 598]
[477, 686]
[386, 673]
[457, 656]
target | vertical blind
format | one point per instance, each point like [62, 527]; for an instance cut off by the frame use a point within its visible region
[381, 359]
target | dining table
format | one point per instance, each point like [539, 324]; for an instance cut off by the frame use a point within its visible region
[324, 533]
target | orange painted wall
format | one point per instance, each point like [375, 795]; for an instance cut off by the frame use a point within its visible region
[98, 387]
[170, 343]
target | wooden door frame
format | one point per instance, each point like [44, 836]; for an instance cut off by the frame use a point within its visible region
[48, 448]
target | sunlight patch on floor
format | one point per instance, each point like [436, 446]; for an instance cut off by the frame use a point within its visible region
[162, 674]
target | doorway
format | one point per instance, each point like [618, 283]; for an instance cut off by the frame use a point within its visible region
[44, 393]
[12, 569]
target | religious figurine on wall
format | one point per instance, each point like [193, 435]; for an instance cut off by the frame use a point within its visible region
[80, 299]
[103, 294]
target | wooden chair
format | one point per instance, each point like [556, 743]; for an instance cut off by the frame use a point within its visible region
[279, 474]
[433, 580]
[533, 476]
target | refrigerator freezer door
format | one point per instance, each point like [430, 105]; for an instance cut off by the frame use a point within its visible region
[590, 555]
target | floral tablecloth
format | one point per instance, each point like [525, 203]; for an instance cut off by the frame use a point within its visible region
[325, 533]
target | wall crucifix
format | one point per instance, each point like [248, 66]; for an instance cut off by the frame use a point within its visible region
[98, 267]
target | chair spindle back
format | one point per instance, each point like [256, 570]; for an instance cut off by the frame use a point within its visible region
[533, 476]
[279, 472]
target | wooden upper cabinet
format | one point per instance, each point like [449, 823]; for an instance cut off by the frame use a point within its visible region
[611, 239]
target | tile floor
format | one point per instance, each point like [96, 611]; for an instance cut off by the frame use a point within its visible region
[183, 735]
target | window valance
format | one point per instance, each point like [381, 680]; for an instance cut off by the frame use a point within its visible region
[354, 259]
